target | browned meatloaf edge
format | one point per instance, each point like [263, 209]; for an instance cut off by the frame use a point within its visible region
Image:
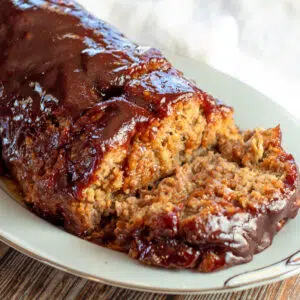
[109, 139]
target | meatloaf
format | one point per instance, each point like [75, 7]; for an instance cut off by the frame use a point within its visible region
[107, 138]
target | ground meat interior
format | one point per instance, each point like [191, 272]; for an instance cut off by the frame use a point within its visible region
[215, 211]
[110, 140]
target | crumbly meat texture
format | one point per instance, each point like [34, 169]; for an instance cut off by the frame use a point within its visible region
[216, 211]
[109, 139]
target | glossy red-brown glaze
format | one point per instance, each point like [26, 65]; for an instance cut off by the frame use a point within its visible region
[57, 65]
[214, 241]
[158, 90]
[210, 244]
[168, 253]
[72, 87]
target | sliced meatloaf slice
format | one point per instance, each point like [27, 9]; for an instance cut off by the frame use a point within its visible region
[217, 210]
[110, 140]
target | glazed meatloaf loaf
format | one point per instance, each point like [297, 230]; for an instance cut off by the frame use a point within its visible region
[109, 139]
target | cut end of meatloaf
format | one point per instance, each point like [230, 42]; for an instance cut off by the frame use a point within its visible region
[109, 139]
[217, 210]
[154, 152]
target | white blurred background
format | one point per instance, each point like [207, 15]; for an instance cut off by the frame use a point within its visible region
[256, 41]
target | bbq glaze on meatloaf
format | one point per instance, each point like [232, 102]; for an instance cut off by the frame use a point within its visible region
[215, 211]
[108, 138]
